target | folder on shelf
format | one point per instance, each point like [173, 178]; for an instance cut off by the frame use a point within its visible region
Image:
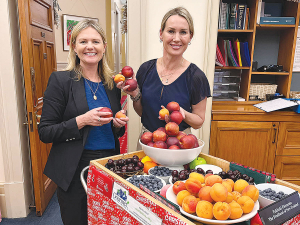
[232, 53]
[222, 46]
[238, 52]
[247, 54]
[219, 56]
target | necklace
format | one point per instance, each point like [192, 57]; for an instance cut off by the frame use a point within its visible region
[95, 97]
[170, 74]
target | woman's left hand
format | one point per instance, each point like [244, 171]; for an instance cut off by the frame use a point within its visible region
[120, 122]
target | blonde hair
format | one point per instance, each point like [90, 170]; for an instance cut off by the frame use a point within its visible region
[105, 73]
[180, 11]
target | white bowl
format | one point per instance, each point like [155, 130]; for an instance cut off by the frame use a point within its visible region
[206, 167]
[170, 157]
[165, 178]
[157, 191]
[276, 187]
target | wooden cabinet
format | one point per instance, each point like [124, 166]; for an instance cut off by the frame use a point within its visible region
[265, 141]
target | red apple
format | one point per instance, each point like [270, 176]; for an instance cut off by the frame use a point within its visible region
[187, 142]
[105, 109]
[159, 135]
[132, 84]
[173, 106]
[151, 144]
[178, 186]
[172, 129]
[146, 137]
[180, 135]
[127, 71]
[172, 141]
[160, 144]
[174, 147]
[176, 117]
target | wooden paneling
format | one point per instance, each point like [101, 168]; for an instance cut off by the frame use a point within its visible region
[289, 139]
[288, 168]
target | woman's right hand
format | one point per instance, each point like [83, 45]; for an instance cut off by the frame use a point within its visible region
[93, 117]
[121, 85]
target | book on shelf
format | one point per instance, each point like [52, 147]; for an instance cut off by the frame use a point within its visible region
[223, 16]
[278, 20]
[243, 56]
[247, 19]
[232, 23]
[272, 9]
[240, 16]
[258, 11]
[247, 54]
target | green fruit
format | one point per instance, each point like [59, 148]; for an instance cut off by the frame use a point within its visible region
[196, 162]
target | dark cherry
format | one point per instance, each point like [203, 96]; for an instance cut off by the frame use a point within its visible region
[112, 169]
[200, 170]
[124, 167]
[246, 178]
[251, 183]
[123, 171]
[185, 171]
[174, 179]
[128, 161]
[193, 170]
[116, 162]
[131, 164]
[238, 176]
[121, 162]
[229, 172]
[209, 171]
[186, 166]
[251, 180]
[130, 169]
[136, 168]
[182, 176]
[182, 171]
[110, 162]
[235, 172]
[224, 174]
[140, 164]
[232, 177]
[243, 176]
[135, 157]
[135, 161]
[175, 173]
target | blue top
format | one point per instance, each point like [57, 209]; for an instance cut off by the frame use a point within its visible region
[188, 89]
[100, 137]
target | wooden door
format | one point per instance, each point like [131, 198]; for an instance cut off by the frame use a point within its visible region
[38, 52]
[250, 143]
[288, 139]
[287, 168]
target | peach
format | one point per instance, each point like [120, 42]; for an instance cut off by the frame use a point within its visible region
[219, 192]
[204, 210]
[211, 180]
[236, 210]
[197, 176]
[246, 203]
[228, 186]
[193, 185]
[146, 137]
[163, 113]
[181, 195]
[174, 147]
[252, 192]
[159, 135]
[204, 194]
[164, 190]
[231, 182]
[236, 195]
[180, 135]
[176, 117]
[160, 144]
[118, 78]
[189, 204]
[132, 84]
[187, 142]
[239, 185]
[173, 106]
[172, 141]
[120, 115]
[127, 71]
[229, 198]
[172, 129]
[178, 186]
[221, 210]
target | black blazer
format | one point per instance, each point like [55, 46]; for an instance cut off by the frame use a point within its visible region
[64, 99]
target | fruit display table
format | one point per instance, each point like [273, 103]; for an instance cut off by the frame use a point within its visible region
[113, 200]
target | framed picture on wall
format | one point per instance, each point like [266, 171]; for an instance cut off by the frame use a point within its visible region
[69, 21]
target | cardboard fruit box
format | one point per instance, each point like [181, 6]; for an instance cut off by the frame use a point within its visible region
[113, 200]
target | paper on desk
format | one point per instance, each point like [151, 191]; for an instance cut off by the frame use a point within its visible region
[275, 104]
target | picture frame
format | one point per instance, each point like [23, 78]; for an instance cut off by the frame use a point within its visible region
[69, 21]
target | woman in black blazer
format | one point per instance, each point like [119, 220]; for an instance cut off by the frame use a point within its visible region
[72, 119]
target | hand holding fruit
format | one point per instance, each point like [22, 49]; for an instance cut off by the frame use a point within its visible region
[120, 119]
[97, 116]
[126, 81]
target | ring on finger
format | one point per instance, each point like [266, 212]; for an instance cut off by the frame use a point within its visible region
[99, 118]
[100, 124]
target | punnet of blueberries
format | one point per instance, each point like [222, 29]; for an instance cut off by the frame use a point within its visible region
[270, 194]
[161, 171]
[151, 182]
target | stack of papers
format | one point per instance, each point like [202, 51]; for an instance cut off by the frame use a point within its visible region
[275, 104]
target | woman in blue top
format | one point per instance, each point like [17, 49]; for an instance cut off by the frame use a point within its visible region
[171, 77]
[72, 119]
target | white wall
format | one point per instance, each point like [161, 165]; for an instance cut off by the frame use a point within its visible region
[144, 19]
[86, 8]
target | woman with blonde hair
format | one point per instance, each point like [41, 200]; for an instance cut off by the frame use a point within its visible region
[73, 119]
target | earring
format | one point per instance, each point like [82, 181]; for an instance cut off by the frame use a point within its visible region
[190, 43]
[160, 41]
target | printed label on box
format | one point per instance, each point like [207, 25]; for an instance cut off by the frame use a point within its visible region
[121, 196]
[101, 182]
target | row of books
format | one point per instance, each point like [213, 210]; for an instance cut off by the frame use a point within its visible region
[232, 52]
[233, 16]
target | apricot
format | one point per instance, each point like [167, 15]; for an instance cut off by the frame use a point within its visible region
[221, 210]
[207, 175]
[197, 176]
[252, 192]
[228, 186]
[193, 185]
[239, 185]
[163, 113]
[211, 180]
[219, 192]
[181, 195]
[246, 203]
[189, 204]
[204, 194]
[229, 198]
[231, 182]
[236, 210]
[118, 78]
[204, 209]
[178, 186]
[236, 195]
[120, 115]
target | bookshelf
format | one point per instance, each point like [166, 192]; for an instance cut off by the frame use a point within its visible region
[287, 42]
